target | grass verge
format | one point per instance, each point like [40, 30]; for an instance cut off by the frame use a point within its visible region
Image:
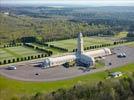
[10, 88]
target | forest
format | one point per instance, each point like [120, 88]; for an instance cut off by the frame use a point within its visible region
[116, 89]
[50, 23]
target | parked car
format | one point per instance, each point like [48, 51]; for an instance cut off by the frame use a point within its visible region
[110, 63]
[37, 74]
[121, 55]
[11, 67]
[124, 55]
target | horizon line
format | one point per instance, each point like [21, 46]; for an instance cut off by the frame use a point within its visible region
[69, 3]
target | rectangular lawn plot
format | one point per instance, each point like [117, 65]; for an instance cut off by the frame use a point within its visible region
[5, 55]
[55, 51]
[94, 41]
[72, 43]
[17, 52]
[23, 51]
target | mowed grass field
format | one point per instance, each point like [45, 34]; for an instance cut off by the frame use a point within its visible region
[88, 41]
[14, 88]
[121, 34]
[55, 51]
[16, 52]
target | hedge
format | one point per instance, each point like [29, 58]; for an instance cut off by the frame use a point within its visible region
[23, 59]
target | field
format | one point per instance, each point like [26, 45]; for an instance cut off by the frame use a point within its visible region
[55, 51]
[88, 41]
[121, 34]
[13, 88]
[131, 44]
[16, 52]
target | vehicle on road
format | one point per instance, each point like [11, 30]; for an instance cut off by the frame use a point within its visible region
[110, 63]
[37, 74]
[11, 67]
[121, 55]
[124, 55]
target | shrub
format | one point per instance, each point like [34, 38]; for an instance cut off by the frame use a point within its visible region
[35, 57]
[21, 59]
[38, 56]
[42, 55]
[28, 57]
[13, 60]
[9, 61]
[31, 57]
[25, 58]
[4, 62]
[18, 59]
[39, 96]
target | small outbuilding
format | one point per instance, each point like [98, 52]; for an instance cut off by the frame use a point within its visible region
[116, 74]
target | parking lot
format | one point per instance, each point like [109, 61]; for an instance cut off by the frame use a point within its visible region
[119, 61]
[28, 71]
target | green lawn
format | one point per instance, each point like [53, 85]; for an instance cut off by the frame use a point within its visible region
[121, 34]
[10, 88]
[55, 51]
[99, 64]
[15, 52]
[131, 44]
[88, 41]
[4, 54]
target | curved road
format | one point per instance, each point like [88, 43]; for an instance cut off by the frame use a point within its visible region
[26, 72]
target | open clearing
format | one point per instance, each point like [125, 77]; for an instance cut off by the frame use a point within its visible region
[16, 52]
[88, 41]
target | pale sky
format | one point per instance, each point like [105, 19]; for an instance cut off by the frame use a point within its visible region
[73, 2]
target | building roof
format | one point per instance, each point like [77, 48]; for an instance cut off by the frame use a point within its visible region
[115, 73]
[62, 58]
[85, 57]
[100, 52]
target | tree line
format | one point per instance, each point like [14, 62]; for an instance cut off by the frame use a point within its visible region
[121, 89]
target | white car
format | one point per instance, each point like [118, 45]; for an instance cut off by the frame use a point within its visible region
[121, 55]
[11, 67]
[124, 55]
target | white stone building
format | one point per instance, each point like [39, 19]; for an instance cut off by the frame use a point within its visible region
[85, 58]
